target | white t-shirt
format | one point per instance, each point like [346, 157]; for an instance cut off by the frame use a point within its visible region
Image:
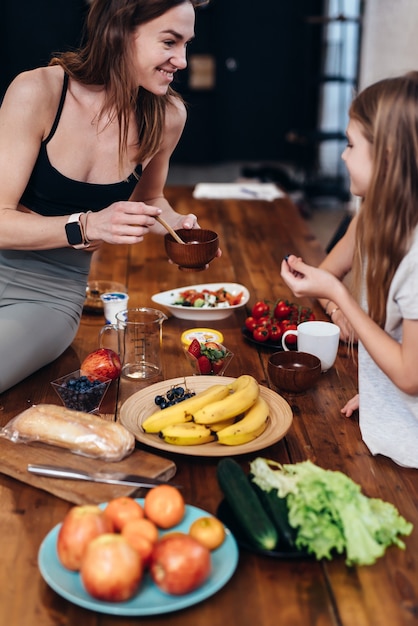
[389, 417]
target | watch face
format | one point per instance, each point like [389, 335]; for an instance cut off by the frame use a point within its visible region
[74, 234]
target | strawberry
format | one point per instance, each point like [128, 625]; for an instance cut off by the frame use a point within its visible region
[194, 349]
[212, 345]
[204, 364]
[217, 366]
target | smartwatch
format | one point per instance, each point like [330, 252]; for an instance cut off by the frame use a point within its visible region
[75, 233]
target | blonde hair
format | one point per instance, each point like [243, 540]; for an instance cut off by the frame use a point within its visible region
[388, 114]
[105, 59]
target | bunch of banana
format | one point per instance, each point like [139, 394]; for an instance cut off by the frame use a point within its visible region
[250, 426]
[184, 411]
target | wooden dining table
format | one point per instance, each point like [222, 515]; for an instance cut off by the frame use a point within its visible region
[254, 236]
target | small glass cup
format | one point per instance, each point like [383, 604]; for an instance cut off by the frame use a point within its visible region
[217, 368]
[80, 393]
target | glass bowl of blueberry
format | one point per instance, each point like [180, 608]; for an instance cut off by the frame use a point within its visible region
[79, 392]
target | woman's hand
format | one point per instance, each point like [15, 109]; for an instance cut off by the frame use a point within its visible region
[188, 222]
[351, 406]
[122, 222]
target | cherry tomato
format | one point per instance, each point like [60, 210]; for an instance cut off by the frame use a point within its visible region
[305, 314]
[290, 339]
[282, 310]
[275, 332]
[251, 323]
[261, 333]
[265, 322]
[260, 309]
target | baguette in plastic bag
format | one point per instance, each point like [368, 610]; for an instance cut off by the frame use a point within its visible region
[81, 433]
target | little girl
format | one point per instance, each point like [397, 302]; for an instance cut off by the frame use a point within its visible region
[381, 248]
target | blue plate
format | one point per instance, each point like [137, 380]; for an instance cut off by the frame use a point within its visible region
[149, 600]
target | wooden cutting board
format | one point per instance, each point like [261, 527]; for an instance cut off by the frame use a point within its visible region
[15, 457]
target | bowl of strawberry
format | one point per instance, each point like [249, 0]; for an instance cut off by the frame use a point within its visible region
[209, 358]
[268, 321]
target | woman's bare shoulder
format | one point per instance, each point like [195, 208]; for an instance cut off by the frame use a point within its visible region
[40, 87]
[175, 119]
[32, 99]
[176, 110]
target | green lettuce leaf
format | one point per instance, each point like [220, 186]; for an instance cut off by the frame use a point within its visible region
[330, 512]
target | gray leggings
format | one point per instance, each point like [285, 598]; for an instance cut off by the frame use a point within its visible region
[31, 336]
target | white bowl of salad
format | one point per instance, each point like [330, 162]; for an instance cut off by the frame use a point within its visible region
[210, 301]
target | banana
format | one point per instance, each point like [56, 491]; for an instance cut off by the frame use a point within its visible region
[188, 434]
[183, 411]
[248, 428]
[245, 391]
[218, 425]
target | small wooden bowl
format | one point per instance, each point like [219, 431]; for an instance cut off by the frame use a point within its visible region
[199, 249]
[293, 371]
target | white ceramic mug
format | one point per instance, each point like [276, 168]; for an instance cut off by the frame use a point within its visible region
[318, 338]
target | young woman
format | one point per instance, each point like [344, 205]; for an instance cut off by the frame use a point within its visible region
[381, 246]
[85, 145]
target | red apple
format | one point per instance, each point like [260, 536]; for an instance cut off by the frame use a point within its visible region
[179, 564]
[111, 569]
[81, 524]
[102, 363]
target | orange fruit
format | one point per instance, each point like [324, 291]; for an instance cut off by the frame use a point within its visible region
[141, 544]
[164, 505]
[143, 527]
[209, 531]
[122, 509]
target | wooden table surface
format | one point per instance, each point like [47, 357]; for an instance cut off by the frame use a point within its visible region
[254, 237]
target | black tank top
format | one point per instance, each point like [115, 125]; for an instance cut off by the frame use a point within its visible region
[51, 193]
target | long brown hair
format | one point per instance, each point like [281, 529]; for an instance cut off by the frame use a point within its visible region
[105, 59]
[388, 114]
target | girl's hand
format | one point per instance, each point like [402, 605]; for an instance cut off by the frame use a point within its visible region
[305, 280]
[351, 406]
[346, 332]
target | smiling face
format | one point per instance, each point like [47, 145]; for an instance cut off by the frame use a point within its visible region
[358, 159]
[159, 47]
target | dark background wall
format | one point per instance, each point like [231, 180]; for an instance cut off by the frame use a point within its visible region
[266, 60]
[264, 55]
[31, 30]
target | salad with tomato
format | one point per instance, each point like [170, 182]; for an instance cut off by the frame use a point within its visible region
[267, 322]
[221, 298]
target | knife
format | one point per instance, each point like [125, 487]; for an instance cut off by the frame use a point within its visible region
[111, 478]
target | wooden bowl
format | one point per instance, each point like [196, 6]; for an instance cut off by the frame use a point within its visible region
[200, 248]
[293, 371]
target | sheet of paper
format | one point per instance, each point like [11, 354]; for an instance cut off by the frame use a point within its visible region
[241, 191]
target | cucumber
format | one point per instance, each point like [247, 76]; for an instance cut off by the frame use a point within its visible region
[245, 505]
[276, 507]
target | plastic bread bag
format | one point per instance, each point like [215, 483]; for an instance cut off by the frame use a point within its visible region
[78, 432]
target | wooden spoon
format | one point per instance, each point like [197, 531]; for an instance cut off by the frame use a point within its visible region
[170, 230]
